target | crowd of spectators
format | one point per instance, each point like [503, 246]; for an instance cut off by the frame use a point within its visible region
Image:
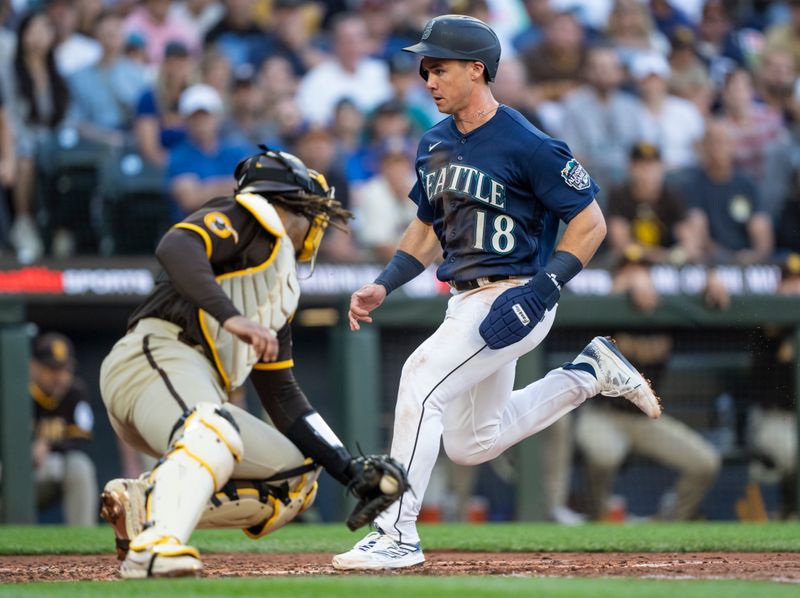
[685, 111]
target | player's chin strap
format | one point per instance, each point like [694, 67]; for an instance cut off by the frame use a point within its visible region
[260, 507]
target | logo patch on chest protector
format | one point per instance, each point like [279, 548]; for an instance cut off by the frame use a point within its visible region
[575, 175]
[521, 315]
[219, 224]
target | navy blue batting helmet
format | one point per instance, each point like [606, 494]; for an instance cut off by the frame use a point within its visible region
[459, 37]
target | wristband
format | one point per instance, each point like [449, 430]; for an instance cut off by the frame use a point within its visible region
[400, 269]
[563, 267]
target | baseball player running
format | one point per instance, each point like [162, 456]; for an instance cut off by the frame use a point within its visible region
[219, 314]
[490, 191]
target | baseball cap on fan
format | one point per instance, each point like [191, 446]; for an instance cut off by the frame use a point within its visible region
[54, 350]
[644, 150]
[644, 65]
[176, 49]
[199, 98]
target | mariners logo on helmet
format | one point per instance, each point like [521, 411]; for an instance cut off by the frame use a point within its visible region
[428, 28]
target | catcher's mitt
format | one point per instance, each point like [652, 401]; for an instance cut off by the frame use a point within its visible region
[379, 480]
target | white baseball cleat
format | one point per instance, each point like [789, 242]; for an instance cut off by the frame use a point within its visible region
[379, 551]
[122, 504]
[167, 558]
[617, 377]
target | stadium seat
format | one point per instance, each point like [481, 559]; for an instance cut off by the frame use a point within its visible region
[133, 206]
[68, 168]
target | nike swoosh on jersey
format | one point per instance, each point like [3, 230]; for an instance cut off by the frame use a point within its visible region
[433, 145]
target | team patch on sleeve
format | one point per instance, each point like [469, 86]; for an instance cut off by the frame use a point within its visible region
[575, 175]
[219, 224]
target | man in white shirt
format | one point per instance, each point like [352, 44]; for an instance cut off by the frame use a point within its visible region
[670, 122]
[382, 206]
[350, 73]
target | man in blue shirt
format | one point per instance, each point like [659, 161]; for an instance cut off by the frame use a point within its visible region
[199, 168]
[104, 95]
[490, 191]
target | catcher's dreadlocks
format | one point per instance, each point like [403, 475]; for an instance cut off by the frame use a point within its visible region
[287, 182]
[311, 206]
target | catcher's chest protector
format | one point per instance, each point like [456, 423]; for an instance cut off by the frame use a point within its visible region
[267, 293]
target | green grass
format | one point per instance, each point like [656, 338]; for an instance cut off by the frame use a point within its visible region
[403, 587]
[518, 537]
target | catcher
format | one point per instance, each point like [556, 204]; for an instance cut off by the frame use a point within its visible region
[219, 314]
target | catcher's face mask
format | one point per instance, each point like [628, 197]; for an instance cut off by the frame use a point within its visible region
[313, 238]
[316, 230]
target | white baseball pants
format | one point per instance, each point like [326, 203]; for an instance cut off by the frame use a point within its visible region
[455, 388]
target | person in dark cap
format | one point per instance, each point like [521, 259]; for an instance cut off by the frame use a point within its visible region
[175, 49]
[648, 222]
[135, 48]
[772, 423]
[63, 422]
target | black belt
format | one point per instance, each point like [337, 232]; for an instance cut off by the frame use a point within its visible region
[469, 285]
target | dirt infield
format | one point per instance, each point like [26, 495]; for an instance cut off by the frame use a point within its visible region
[784, 567]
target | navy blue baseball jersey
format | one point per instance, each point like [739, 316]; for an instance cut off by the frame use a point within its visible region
[494, 195]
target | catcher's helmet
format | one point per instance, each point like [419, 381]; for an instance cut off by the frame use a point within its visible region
[459, 37]
[290, 183]
[273, 171]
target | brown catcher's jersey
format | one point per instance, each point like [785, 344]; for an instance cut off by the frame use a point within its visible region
[253, 275]
[66, 424]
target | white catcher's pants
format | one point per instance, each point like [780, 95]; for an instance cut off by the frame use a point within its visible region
[454, 388]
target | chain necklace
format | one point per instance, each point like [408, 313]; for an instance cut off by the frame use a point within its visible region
[480, 114]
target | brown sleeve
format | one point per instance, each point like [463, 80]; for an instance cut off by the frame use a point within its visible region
[290, 411]
[224, 226]
[183, 256]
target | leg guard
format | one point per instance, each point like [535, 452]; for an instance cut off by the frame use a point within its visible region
[260, 507]
[199, 462]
